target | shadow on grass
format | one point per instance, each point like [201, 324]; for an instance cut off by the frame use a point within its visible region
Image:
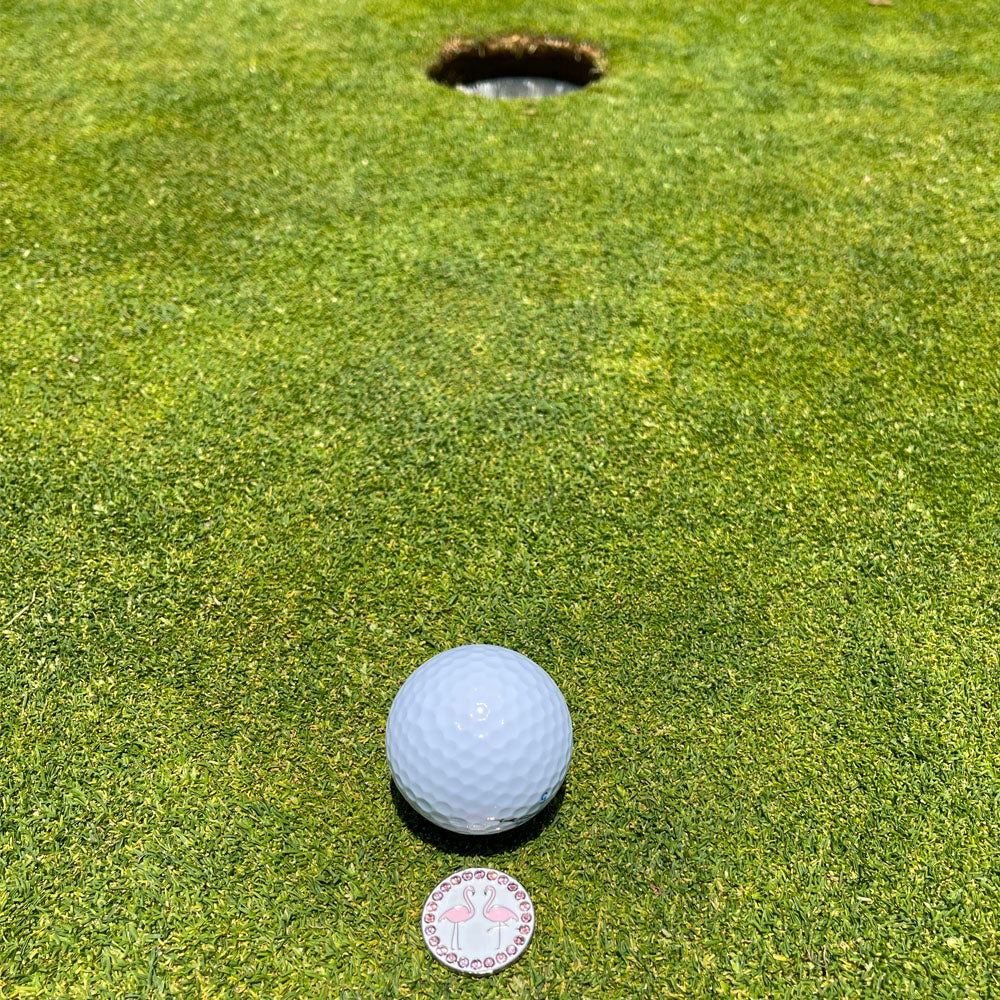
[469, 845]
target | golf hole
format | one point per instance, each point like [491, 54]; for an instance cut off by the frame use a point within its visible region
[510, 66]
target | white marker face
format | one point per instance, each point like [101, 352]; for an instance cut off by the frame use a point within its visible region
[478, 920]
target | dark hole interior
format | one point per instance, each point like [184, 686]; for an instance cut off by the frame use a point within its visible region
[470, 62]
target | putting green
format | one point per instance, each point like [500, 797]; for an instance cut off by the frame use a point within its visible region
[684, 385]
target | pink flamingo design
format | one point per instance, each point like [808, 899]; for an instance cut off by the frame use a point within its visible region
[498, 915]
[458, 914]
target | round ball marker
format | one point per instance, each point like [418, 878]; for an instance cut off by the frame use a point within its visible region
[477, 920]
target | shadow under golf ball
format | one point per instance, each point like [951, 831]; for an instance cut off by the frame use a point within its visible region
[479, 845]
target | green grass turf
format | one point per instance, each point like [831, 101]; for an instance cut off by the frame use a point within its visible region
[686, 386]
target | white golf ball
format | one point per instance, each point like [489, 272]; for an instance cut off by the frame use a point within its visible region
[478, 739]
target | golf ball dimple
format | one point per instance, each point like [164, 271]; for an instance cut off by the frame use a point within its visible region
[478, 739]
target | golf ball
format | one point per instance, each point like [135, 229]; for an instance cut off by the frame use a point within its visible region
[478, 739]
